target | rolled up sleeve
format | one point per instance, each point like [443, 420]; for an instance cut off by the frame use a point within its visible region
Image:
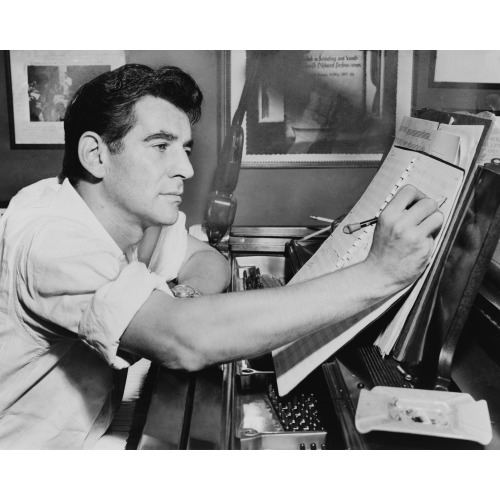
[82, 286]
[113, 306]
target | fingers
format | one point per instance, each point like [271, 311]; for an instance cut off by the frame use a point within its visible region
[421, 210]
[432, 223]
[412, 208]
[403, 239]
[405, 197]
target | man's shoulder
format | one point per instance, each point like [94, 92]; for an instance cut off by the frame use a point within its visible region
[32, 203]
[50, 234]
[38, 194]
[44, 219]
[51, 218]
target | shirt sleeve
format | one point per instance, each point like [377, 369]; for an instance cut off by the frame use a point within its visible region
[77, 287]
[113, 306]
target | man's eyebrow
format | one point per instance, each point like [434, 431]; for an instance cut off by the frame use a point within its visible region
[167, 136]
[161, 135]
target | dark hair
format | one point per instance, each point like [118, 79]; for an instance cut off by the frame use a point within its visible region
[105, 105]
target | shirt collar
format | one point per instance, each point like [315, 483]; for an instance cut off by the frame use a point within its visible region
[72, 204]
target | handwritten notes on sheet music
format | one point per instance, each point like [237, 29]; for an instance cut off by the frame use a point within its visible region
[400, 167]
[437, 180]
[386, 341]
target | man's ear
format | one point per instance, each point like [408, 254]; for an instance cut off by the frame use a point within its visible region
[92, 153]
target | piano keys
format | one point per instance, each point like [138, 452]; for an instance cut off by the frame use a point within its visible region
[126, 426]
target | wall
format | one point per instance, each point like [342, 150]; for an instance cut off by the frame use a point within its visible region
[265, 197]
[288, 197]
[19, 168]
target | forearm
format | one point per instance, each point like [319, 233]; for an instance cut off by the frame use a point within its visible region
[251, 323]
[193, 333]
[206, 271]
[219, 328]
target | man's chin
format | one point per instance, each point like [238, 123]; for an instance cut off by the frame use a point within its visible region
[169, 220]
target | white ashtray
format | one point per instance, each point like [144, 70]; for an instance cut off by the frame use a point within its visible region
[417, 411]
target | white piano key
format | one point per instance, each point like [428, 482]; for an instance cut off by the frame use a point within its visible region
[116, 436]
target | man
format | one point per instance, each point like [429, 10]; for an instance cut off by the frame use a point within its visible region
[86, 261]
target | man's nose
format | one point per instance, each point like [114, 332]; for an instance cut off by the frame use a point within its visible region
[182, 166]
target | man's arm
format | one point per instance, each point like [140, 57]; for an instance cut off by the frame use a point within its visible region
[204, 268]
[194, 333]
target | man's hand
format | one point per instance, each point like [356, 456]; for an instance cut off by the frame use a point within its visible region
[404, 237]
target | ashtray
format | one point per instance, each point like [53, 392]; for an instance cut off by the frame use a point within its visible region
[417, 411]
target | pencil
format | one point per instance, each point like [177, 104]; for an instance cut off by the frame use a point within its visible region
[356, 226]
[322, 219]
[326, 228]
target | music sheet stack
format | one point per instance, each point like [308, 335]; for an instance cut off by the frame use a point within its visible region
[436, 158]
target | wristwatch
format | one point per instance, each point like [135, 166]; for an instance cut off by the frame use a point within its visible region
[185, 292]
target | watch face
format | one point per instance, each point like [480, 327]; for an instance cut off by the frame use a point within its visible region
[184, 292]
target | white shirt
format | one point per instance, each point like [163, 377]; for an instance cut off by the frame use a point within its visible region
[67, 293]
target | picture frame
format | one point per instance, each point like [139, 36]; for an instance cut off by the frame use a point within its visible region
[40, 84]
[454, 89]
[478, 69]
[318, 109]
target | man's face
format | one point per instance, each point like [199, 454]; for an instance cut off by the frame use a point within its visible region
[145, 181]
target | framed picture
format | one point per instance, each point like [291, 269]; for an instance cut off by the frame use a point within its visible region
[472, 86]
[317, 108]
[40, 84]
[478, 69]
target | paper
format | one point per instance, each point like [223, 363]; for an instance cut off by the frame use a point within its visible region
[433, 177]
[491, 148]
[445, 146]
[452, 143]
[415, 133]
[423, 135]
[469, 138]
[386, 341]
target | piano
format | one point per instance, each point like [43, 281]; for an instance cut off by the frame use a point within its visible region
[236, 406]
[453, 344]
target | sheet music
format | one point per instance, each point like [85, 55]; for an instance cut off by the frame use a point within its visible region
[452, 143]
[437, 180]
[469, 138]
[424, 135]
[386, 341]
[415, 133]
[340, 248]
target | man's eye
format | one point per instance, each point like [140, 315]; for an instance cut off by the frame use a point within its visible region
[161, 147]
[188, 151]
